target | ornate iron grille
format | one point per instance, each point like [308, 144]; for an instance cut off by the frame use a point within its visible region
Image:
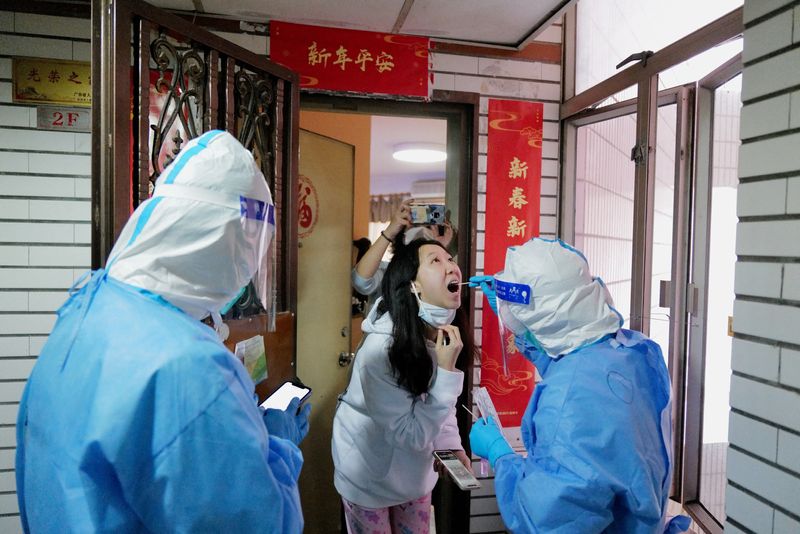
[178, 82]
[255, 105]
[181, 77]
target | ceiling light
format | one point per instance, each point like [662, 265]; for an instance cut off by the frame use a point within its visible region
[419, 152]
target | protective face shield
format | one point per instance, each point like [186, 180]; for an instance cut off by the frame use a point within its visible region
[206, 232]
[261, 228]
[547, 294]
[435, 316]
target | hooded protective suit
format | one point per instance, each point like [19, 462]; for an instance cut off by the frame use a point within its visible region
[597, 429]
[136, 418]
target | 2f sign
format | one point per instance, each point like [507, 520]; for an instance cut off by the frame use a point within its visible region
[65, 119]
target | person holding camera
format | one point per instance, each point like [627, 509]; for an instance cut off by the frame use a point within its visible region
[400, 403]
[369, 271]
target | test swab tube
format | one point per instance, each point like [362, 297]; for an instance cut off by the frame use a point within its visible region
[484, 471]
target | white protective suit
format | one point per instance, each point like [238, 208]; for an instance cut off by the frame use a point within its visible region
[136, 418]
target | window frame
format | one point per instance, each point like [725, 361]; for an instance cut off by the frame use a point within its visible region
[698, 290]
[693, 134]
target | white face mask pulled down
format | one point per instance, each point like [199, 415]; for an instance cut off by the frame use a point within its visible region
[436, 316]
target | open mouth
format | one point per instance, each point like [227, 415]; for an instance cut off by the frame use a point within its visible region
[453, 286]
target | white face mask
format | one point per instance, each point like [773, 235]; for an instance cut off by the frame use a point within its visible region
[435, 316]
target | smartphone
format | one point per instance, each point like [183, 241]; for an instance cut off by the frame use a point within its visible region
[291, 389]
[427, 214]
[462, 477]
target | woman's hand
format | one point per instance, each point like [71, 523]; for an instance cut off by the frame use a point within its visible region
[368, 265]
[448, 346]
[465, 460]
[400, 219]
[447, 235]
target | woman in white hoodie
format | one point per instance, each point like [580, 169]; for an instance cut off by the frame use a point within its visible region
[400, 403]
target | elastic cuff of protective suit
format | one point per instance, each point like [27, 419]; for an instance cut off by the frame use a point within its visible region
[500, 449]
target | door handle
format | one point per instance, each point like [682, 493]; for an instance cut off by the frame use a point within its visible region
[346, 358]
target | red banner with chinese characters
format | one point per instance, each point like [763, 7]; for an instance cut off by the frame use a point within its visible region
[350, 60]
[513, 186]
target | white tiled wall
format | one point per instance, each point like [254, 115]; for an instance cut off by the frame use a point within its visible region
[44, 221]
[764, 458]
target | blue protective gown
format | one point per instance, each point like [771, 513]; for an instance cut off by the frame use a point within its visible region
[596, 431]
[137, 419]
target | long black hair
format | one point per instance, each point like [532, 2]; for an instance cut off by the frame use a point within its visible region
[411, 363]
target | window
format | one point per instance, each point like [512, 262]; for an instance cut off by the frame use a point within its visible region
[674, 210]
[608, 31]
[713, 271]
[604, 204]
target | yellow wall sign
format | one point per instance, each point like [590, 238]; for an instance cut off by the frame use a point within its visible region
[52, 81]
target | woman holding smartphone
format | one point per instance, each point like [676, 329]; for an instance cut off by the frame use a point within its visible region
[400, 403]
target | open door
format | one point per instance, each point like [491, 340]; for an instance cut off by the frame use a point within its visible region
[325, 227]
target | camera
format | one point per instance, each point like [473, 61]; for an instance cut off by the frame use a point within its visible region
[427, 214]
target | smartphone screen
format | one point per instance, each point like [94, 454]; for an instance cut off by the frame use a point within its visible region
[283, 396]
[460, 475]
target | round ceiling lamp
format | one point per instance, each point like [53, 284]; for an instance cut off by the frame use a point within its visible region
[419, 152]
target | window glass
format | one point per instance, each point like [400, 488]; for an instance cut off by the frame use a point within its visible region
[697, 67]
[722, 261]
[608, 31]
[604, 204]
[663, 208]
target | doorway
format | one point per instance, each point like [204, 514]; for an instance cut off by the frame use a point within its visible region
[373, 127]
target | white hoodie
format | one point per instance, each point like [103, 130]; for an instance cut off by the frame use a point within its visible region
[383, 437]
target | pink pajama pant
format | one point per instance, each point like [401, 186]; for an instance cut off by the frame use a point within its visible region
[407, 518]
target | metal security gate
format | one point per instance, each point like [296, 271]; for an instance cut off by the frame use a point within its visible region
[163, 81]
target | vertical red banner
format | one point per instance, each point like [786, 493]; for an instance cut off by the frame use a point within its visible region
[513, 187]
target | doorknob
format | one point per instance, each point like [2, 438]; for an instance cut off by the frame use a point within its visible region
[345, 358]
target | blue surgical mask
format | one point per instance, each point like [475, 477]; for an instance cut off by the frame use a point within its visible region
[436, 316]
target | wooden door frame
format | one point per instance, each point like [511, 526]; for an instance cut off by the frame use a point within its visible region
[464, 108]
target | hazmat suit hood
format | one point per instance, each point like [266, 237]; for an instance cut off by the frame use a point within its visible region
[547, 294]
[205, 231]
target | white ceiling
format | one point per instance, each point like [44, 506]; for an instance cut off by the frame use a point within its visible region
[495, 22]
[387, 175]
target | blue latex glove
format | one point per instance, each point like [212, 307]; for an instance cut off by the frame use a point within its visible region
[678, 524]
[486, 283]
[291, 424]
[487, 441]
